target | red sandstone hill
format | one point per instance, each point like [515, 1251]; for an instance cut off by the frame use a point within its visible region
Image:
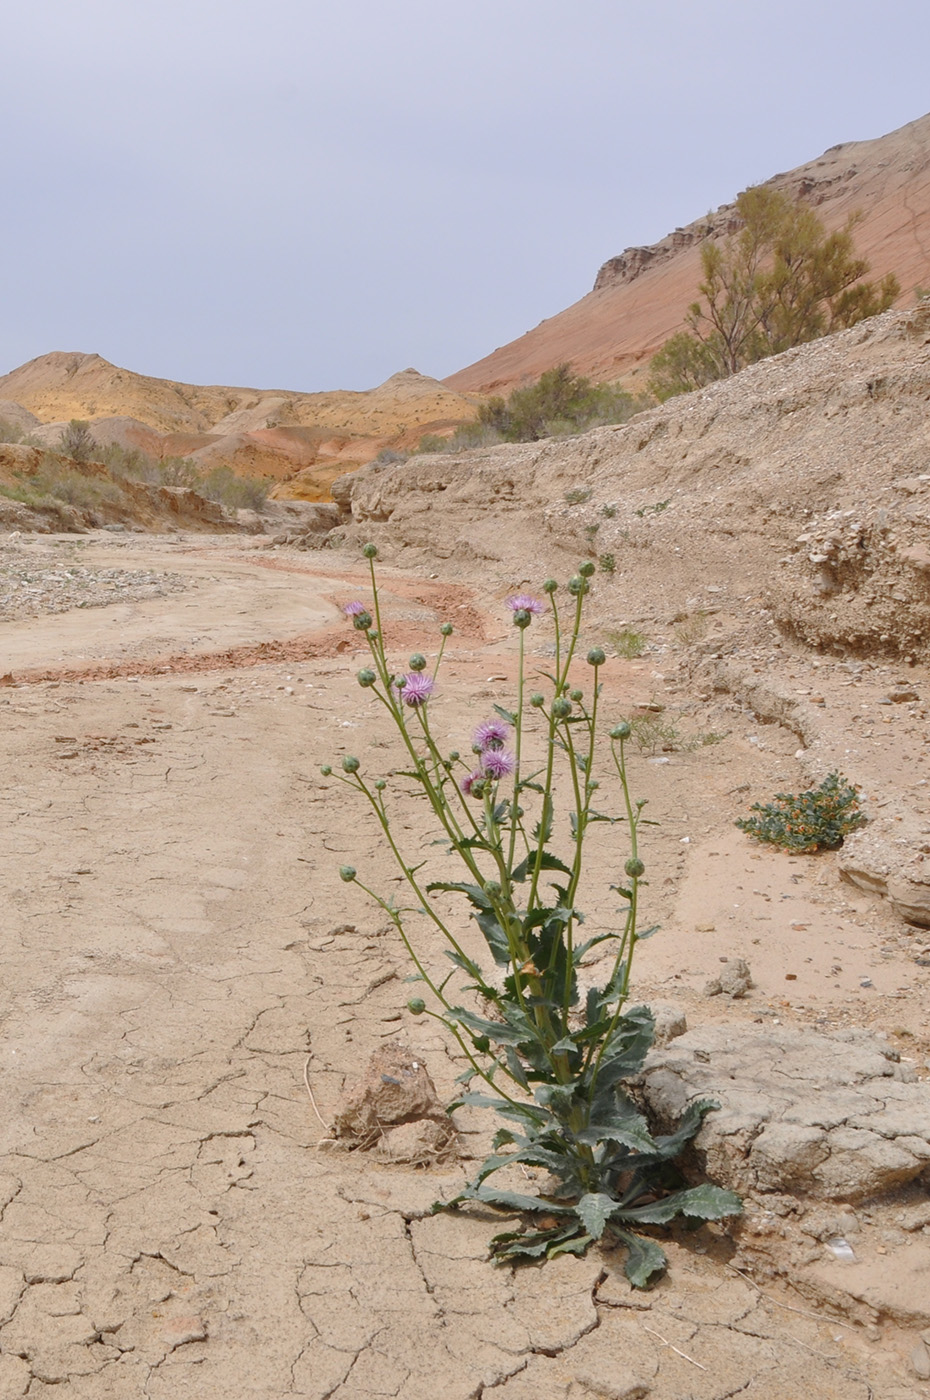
[640, 298]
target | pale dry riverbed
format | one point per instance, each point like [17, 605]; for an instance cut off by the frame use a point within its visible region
[179, 951]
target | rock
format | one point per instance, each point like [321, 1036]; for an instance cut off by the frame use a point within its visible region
[396, 1092]
[612, 1383]
[880, 866]
[734, 980]
[341, 491]
[821, 1116]
[418, 1143]
[670, 1021]
[920, 1361]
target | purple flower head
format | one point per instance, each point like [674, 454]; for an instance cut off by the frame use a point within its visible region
[468, 783]
[353, 609]
[417, 688]
[495, 763]
[491, 734]
[525, 602]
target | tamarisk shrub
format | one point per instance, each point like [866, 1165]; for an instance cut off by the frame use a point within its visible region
[553, 1067]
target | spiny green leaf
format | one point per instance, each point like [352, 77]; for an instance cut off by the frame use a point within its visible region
[627, 1133]
[703, 1202]
[515, 1067]
[495, 936]
[465, 963]
[644, 1259]
[543, 829]
[522, 1112]
[574, 1244]
[507, 715]
[513, 1200]
[594, 1210]
[474, 892]
[497, 1031]
[545, 861]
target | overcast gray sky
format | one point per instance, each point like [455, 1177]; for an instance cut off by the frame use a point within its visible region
[309, 195]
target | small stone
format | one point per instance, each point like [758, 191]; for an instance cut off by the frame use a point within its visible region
[734, 981]
[612, 1383]
[920, 1361]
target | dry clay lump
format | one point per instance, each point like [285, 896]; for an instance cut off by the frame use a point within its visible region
[394, 1110]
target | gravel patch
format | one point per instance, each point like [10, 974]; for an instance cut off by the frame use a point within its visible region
[31, 586]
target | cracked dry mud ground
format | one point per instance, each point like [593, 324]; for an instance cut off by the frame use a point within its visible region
[177, 943]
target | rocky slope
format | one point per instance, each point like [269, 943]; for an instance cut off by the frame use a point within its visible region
[804, 481]
[640, 298]
[302, 441]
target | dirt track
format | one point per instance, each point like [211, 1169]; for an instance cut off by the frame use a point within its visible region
[180, 949]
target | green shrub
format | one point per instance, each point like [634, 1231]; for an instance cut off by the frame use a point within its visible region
[77, 442]
[691, 628]
[234, 492]
[578, 495]
[626, 642]
[56, 482]
[654, 733]
[780, 280]
[816, 820]
[559, 403]
[466, 437]
[607, 563]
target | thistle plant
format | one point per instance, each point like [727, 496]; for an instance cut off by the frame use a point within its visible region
[555, 1065]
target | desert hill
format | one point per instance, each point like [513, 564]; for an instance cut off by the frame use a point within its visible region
[640, 297]
[300, 440]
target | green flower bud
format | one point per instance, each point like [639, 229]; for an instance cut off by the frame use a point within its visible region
[537, 700]
[350, 764]
[596, 657]
[416, 1005]
[347, 873]
[577, 696]
[447, 629]
[418, 661]
[577, 586]
[634, 868]
[561, 709]
[550, 585]
[586, 569]
[366, 677]
[370, 551]
[621, 731]
[399, 682]
[326, 770]
[454, 756]
[522, 618]
[380, 785]
[362, 622]
[593, 785]
[492, 888]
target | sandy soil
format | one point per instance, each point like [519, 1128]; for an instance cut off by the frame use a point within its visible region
[182, 963]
